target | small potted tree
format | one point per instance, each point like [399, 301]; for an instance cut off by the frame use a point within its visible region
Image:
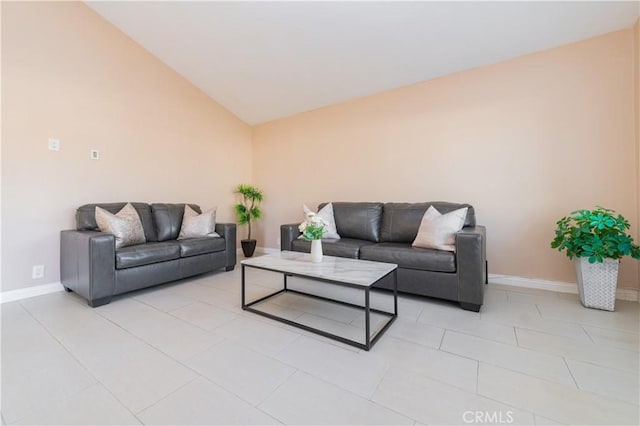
[596, 240]
[246, 211]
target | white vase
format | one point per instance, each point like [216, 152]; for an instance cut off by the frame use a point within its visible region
[316, 251]
[597, 283]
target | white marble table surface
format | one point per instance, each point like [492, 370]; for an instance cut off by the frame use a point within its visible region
[354, 271]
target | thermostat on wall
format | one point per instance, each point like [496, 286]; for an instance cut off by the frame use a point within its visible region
[95, 154]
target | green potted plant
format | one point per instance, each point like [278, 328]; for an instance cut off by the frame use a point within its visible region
[596, 239]
[246, 211]
[312, 230]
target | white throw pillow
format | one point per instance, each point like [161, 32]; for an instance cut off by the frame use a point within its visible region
[196, 225]
[326, 213]
[438, 231]
[124, 225]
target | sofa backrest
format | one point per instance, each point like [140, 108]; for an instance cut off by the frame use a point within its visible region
[357, 220]
[86, 217]
[400, 221]
[168, 219]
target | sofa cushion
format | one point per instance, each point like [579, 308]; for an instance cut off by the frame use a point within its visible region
[406, 256]
[360, 221]
[195, 246]
[86, 217]
[344, 247]
[167, 219]
[400, 221]
[144, 254]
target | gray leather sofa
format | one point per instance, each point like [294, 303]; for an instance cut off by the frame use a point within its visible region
[384, 233]
[91, 266]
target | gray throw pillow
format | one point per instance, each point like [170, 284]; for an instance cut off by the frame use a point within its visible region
[196, 225]
[124, 225]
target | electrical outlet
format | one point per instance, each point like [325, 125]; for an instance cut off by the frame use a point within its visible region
[95, 154]
[279, 242]
[37, 272]
[54, 144]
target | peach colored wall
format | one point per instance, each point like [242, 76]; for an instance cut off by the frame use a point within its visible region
[69, 74]
[637, 104]
[525, 141]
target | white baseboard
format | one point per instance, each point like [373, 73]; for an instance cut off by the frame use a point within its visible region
[559, 286]
[25, 293]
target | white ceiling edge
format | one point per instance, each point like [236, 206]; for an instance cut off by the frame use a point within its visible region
[269, 60]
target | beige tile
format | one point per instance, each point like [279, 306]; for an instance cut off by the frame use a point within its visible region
[552, 400]
[94, 405]
[614, 338]
[203, 315]
[260, 336]
[253, 377]
[416, 332]
[207, 294]
[162, 299]
[136, 373]
[452, 317]
[543, 421]
[37, 372]
[355, 372]
[625, 318]
[203, 403]
[537, 364]
[524, 315]
[306, 400]
[272, 307]
[433, 402]
[541, 297]
[176, 338]
[317, 307]
[448, 368]
[606, 381]
[580, 351]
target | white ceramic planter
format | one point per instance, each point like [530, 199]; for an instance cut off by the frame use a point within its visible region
[597, 283]
[316, 251]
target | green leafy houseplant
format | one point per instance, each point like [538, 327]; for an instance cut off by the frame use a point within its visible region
[248, 209]
[596, 234]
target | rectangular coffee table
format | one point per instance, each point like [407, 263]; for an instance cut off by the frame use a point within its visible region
[338, 271]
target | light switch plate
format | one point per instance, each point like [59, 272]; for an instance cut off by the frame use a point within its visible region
[54, 144]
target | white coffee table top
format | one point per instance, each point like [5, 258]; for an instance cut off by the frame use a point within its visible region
[359, 272]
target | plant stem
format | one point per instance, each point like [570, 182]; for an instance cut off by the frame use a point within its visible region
[250, 213]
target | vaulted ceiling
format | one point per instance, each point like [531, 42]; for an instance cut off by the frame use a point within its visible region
[266, 60]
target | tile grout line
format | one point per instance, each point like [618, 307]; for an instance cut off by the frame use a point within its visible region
[84, 367]
[571, 373]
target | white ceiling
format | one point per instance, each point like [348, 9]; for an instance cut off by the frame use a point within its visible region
[266, 60]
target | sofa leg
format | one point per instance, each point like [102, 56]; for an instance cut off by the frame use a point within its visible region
[470, 306]
[68, 290]
[99, 302]
[230, 268]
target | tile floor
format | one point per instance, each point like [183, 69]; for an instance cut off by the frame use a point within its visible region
[185, 353]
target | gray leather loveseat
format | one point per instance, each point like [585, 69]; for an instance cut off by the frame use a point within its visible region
[384, 233]
[91, 266]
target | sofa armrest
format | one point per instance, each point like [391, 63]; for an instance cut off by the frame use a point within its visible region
[471, 257]
[288, 234]
[88, 264]
[228, 232]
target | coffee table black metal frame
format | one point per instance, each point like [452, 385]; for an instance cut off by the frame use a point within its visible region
[369, 340]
